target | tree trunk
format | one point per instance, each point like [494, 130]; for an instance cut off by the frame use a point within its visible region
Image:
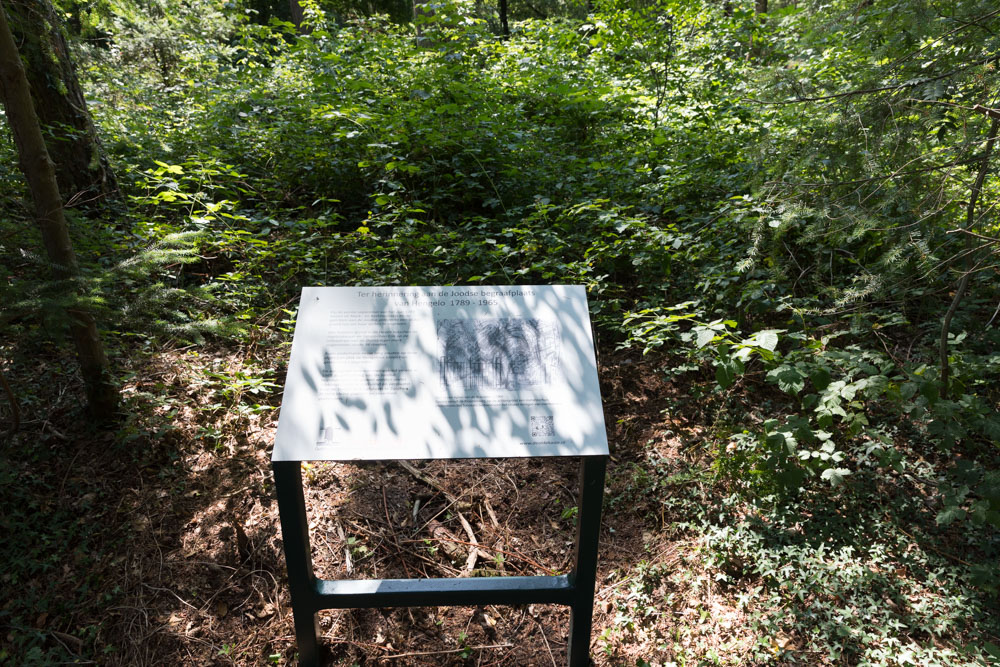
[81, 167]
[760, 7]
[504, 26]
[298, 14]
[34, 160]
[421, 9]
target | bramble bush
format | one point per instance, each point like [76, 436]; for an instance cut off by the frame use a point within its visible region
[770, 204]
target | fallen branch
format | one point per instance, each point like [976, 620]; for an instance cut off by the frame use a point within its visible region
[413, 654]
[935, 549]
[392, 533]
[512, 554]
[428, 480]
[448, 540]
[470, 562]
[546, 640]
[446, 569]
[347, 548]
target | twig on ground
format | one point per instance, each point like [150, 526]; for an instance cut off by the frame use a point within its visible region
[347, 548]
[513, 554]
[546, 640]
[493, 516]
[413, 654]
[470, 562]
[935, 549]
[66, 640]
[441, 566]
[392, 534]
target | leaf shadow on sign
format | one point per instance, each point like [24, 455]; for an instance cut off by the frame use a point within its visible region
[459, 384]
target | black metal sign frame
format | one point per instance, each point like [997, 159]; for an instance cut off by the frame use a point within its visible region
[309, 594]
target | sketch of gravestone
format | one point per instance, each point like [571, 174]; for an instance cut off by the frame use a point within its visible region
[508, 353]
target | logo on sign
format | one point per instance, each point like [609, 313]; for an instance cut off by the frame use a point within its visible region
[326, 437]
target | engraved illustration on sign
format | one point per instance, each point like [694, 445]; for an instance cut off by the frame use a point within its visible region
[507, 353]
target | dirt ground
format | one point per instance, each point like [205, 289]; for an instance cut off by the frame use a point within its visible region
[187, 565]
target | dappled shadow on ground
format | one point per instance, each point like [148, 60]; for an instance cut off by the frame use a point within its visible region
[388, 521]
[137, 544]
[158, 542]
[181, 558]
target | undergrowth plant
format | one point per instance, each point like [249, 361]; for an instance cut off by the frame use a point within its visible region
[767, 201]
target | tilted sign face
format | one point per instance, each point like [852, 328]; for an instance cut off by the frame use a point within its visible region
[441, 372]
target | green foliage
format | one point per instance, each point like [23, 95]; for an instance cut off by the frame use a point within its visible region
[765, 204]
[847, 584]
[42, 533]
[833, 395]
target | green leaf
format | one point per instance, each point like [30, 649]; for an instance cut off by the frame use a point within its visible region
[724, 375]
[949, 515]
[767, 339]
[727, 370]
[791, 478]
[705, 337]
[993, 650]
[789, 380]
[835, 475]
[930, 391]
[820, 379]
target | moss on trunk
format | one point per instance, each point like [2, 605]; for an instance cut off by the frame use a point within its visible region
[82, 171]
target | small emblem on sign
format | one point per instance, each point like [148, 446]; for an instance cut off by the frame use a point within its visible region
[325, 437]
[542, 427]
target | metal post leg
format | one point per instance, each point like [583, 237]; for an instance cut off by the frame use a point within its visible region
[584, 575]
[298, 558]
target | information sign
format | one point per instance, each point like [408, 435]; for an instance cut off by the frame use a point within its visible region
[381, 373]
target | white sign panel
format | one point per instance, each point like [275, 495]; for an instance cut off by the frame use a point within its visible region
[441, 372]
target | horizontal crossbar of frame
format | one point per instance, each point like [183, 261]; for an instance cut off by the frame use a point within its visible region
[358, 593]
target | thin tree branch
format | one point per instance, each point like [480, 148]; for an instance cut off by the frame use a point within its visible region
[884, 177]
[989, 239]
[880, 89]
[15, 412]
[978, 108]
[965, 24]
[992, 113]
[963, 284]
[539, 13]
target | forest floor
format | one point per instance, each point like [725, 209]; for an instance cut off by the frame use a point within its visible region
[159, 543]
